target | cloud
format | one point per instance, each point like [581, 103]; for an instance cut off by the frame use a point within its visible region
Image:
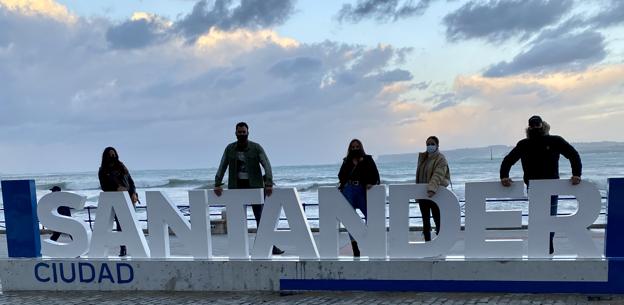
[612, 14]
[569, 52]
[169, 98]
[382, 10]
[144, 29]
[581, 106]
[549, 92]
[442, 101]
[395, 75]
[225, 45]
[42, 8]
[248, 14]
[497, 21]
[140, 31]
[422, 85]
[296, 67]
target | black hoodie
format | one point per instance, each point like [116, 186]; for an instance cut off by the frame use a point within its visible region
[540, 158]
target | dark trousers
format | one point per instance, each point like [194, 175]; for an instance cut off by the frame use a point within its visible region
[65, 212]
[427, 209]
[356, 196]
[255, 208]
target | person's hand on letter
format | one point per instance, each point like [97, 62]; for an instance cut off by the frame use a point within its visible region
[268, 190]
[218, 191]
[575, 180]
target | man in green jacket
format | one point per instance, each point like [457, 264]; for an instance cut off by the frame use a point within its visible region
[244, 158]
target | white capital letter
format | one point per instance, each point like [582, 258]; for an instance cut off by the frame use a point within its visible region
[131, 235]
[400, 246]
[235, 201]
[299, 234]
[50, 218]
[575, 226]
[334, 208]
[478, 220]
[162, 214]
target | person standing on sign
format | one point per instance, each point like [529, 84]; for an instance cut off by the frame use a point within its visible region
[63, 210]
[539, 153]
[115, 177]
[357, 174]
[244, 159]
[432, 169]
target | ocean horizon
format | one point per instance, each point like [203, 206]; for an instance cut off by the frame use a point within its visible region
[601, 161]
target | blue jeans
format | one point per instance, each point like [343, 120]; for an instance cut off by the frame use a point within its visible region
[356, 196]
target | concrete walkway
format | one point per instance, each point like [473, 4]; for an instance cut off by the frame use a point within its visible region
[312, 298]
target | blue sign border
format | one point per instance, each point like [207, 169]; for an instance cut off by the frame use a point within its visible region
[19, 198]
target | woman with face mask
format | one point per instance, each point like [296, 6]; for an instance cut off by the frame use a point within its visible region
[432, 169]
[357, 174]
[114, 177]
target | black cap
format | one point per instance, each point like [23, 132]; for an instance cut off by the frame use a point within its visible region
[55, 189]
[535, 121]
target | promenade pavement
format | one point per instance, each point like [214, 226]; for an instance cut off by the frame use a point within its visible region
[220, 248]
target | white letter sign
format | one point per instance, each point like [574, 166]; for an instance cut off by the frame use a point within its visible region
[50, 218]
[400, 246]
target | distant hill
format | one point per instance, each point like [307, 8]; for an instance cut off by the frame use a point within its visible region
[499, 151]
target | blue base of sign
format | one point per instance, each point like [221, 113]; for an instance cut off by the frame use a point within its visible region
[615, 285]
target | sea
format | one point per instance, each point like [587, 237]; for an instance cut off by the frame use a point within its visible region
[600, 162]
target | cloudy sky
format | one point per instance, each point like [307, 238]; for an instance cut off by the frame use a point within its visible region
[165, 81]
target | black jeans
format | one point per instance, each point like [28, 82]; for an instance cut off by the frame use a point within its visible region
[63, 210]
[255, 208]
[427, 209]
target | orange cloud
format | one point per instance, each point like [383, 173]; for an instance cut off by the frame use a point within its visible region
[48, 8]
[224, 46]
[582, 106]
[569, 88]
[246, 39]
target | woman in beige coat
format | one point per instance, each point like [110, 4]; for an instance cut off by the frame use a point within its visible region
[432, 169]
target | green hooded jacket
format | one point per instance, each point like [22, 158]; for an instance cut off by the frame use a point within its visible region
[255, 156]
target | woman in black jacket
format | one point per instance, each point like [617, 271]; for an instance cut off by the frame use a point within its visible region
[114, 177]
[357, 174]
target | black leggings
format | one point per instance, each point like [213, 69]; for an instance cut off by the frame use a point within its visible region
[428, 208]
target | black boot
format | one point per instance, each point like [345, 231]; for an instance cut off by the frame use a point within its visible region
[356, 249]
[122, 251]
[552, 246]
[277, 251]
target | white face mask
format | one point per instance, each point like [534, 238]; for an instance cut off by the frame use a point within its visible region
[432, 148]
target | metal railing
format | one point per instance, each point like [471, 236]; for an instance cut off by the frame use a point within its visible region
[185, 210]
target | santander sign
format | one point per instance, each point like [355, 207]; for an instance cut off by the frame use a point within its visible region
[377, 240]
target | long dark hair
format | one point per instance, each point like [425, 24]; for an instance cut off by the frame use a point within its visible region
[349, 147]
[106, 161]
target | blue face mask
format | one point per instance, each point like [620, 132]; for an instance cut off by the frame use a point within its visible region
[432, 148]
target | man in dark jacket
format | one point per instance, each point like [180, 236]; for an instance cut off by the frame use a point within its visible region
[244, 159]
[539, 153]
